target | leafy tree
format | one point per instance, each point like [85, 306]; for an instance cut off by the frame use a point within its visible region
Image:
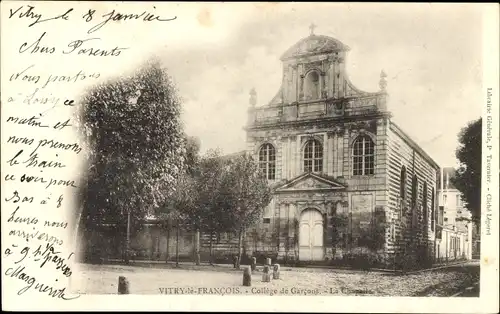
[185, 196]
[467, 178]
[192, 154]
[245, 194]
[210, 211]
[197, 199]
[182, 198]
[133, 131]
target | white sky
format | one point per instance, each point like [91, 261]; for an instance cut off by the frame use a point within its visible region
[216, 52]
[431, 53]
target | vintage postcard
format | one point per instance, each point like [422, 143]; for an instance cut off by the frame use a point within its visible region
[312, 157]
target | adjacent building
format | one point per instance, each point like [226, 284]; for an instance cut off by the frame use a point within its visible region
[454, 236]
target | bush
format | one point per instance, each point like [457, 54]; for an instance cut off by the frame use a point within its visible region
[363, 258]
[262, 255]
[406, 262]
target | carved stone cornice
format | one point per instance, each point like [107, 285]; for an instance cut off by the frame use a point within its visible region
[359, 125]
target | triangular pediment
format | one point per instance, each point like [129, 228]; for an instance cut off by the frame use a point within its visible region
[310, 182]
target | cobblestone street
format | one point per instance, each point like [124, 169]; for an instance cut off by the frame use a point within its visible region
[190, 279]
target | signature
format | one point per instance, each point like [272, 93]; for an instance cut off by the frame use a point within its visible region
[20, 273]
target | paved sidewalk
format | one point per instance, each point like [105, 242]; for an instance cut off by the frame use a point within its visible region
[312, 268]
[147, 279]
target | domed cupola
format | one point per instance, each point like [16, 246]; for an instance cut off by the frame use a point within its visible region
[315, 84]
[314, 71]
[314, 45]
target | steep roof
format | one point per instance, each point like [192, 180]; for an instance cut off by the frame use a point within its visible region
[413, 144]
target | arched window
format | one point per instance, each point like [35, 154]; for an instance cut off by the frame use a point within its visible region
[313, 156]
[267, 161]
[424, 205]
[402, 189]
[312, 88]
[363, 156]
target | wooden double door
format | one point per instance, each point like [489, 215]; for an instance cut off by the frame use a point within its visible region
[311, 246]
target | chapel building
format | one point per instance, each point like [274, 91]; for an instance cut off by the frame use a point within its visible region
[344, 175]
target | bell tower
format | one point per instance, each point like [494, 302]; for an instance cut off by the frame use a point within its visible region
[313, 69]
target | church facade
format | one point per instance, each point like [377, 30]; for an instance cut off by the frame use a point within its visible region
[345, 177]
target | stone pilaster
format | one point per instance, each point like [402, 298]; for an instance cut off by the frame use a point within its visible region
[297, 156]
[331, 153]
[284, 158]
[346, 155]
[326, 153]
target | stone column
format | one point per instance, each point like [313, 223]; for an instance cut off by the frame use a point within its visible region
[286, 80]
[330, 154]
[291, 149]
[292, 234]
[284, 159]
[345, 149]
[297, 156]
[323, 85]
[341, 78]
[287, 230]
[282, 236]
[326, 153]
[336, 75]
[301, 88]
[340, 154]
[295, 84]
[289, 159]
[331, 78]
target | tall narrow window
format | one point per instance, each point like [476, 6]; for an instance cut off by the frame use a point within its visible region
[414, 190]
[433, 210]
[313, 156]
[414, 197]
[267, 161]
[402, 189]
[363, 156]
[424, 206]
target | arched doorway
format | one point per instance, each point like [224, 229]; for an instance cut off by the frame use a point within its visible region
[311, 235]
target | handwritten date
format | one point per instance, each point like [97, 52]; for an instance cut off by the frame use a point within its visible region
[29, 12]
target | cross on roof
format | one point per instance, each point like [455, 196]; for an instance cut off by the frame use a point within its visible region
[312, 27]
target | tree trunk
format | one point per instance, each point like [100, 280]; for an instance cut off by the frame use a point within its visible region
[210, 247]
[127, 241]
[240, 242]
[177, 246]
[197, 247]
[167, 254]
